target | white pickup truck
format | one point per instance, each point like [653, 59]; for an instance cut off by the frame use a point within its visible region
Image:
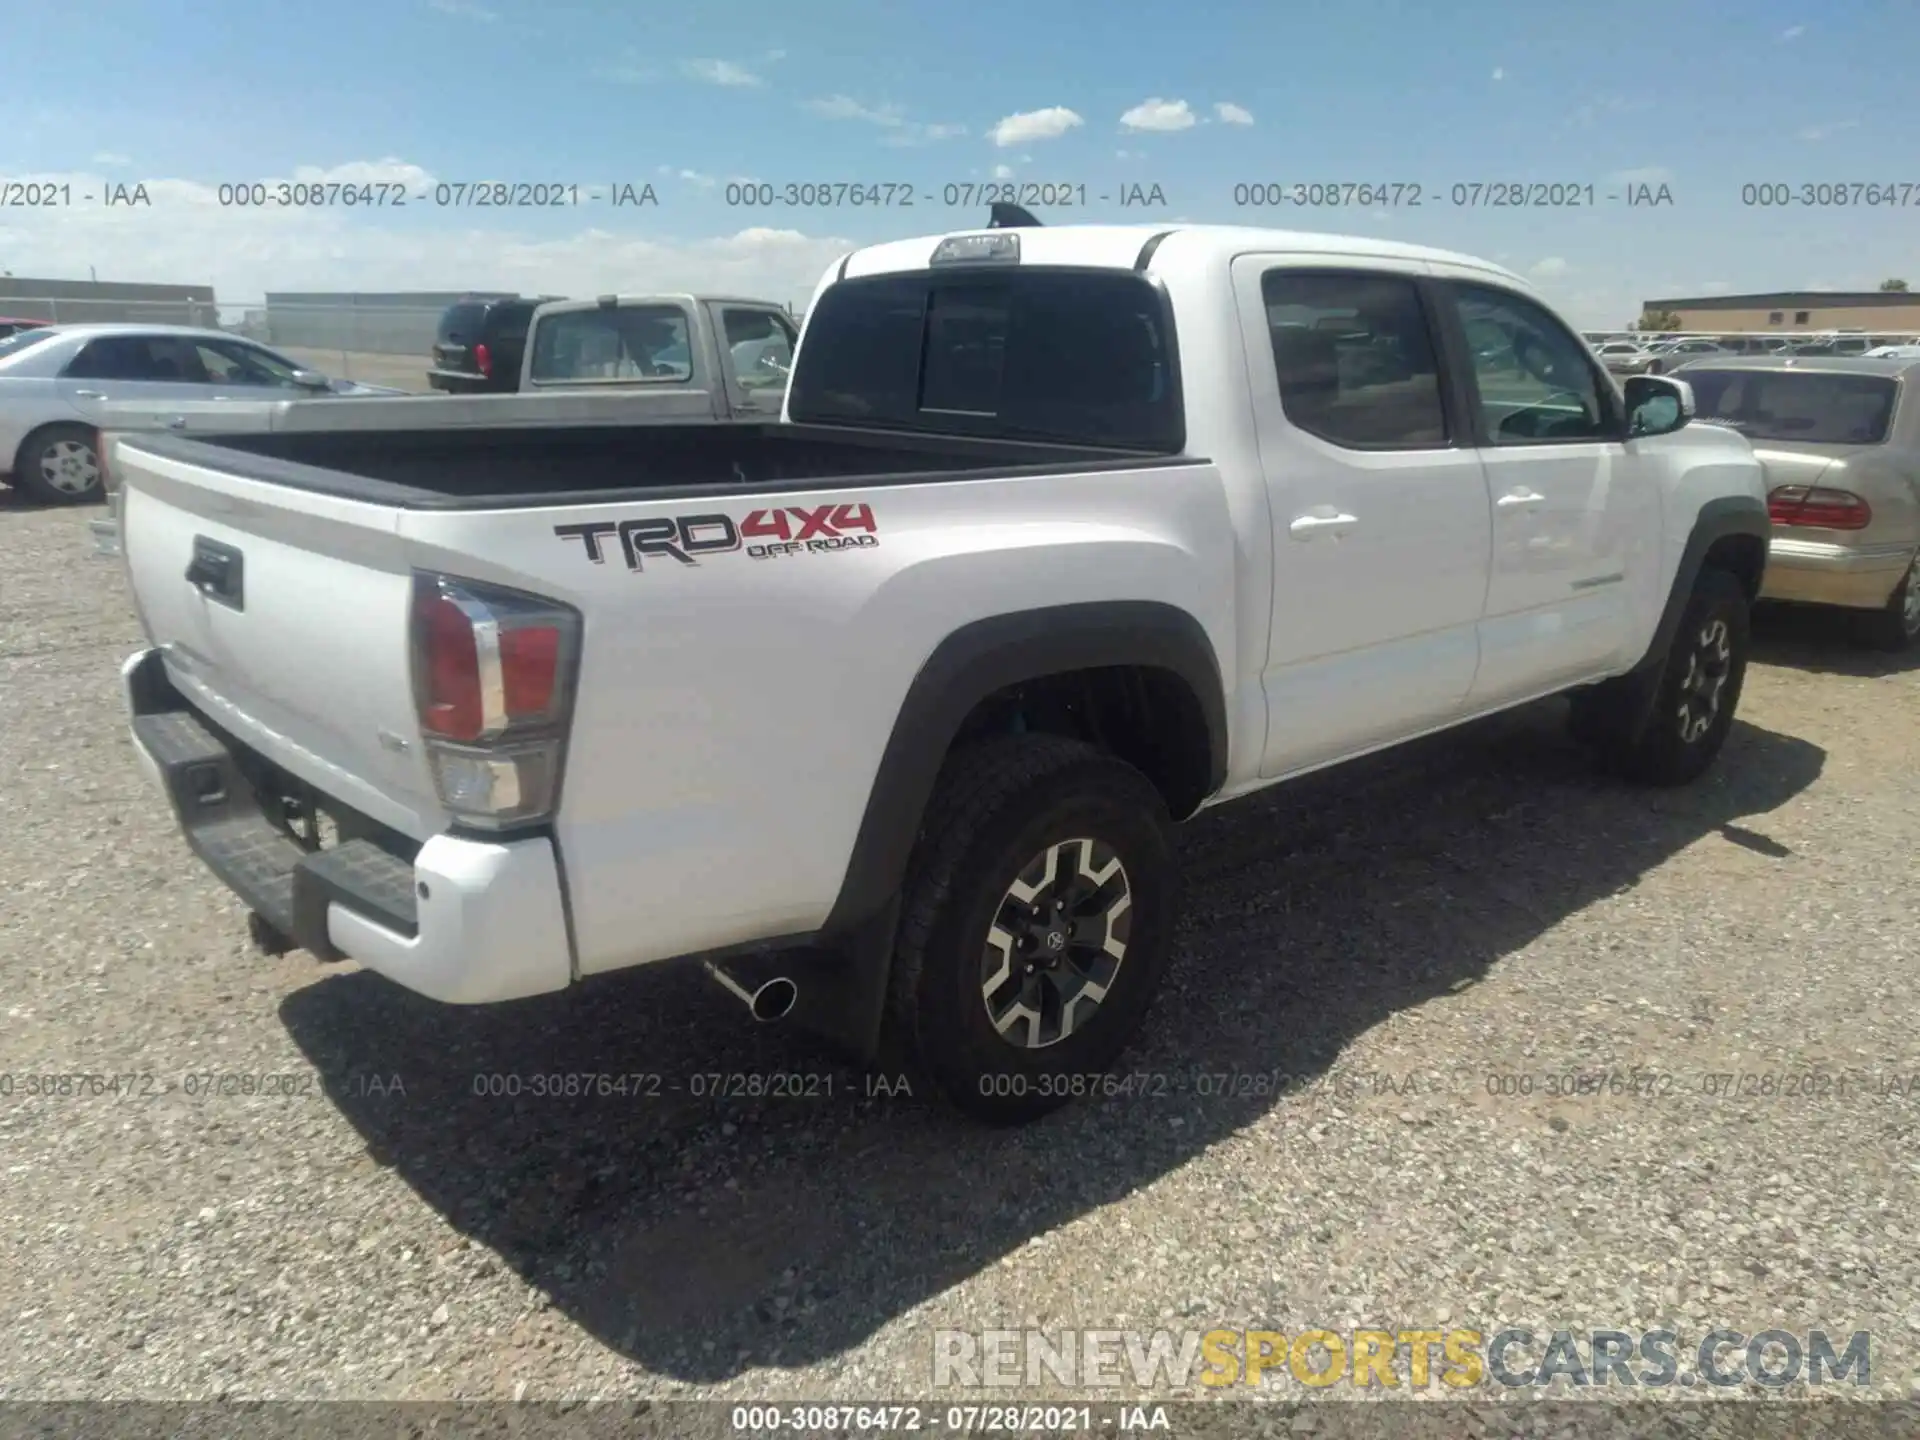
[886, 712]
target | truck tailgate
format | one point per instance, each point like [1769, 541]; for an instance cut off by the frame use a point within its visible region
[283, 616]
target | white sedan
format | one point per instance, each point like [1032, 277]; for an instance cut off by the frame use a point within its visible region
[51, 378]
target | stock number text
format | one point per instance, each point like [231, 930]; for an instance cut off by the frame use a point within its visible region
[1832, 194]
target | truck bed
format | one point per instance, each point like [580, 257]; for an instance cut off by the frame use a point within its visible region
[498, 469]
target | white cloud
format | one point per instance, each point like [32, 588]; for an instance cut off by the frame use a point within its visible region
[922, 134]
[109, 157]
[1233, 114]
[465, 9]
[1157, 114]
[1548, 268]
[694, 177]
[845, 107]
[390, 171]
[900, 131]
[1645, 175]
[1823, 132]
[1003, 172]
[1030, 125]
[720, 72]
[627, 72]
[1793, 32]
[187, 237]
[1499, 73]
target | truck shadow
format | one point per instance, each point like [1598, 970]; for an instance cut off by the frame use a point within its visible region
[704, 1236]
[1822, 640]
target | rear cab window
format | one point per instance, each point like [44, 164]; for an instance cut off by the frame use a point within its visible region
[1790, 405]
[1068, 356]
[628, 344]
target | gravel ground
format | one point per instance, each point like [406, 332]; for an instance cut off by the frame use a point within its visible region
[1474, 914]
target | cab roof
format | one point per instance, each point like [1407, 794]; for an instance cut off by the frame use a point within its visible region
[1120, 247]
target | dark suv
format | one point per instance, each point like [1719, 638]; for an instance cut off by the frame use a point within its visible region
[480, 344]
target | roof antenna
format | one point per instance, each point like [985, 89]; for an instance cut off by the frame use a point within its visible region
[1011, 217]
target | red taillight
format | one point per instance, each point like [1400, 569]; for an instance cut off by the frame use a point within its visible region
[483, 357]
[529, 670]
[451, 701]
[1817, 507]
[493, 675]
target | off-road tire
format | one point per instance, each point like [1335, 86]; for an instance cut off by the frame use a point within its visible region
[1895, 627]
[1657, 742]
[997, 807]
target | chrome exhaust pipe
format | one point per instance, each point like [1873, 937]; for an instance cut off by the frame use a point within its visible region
[770, 1000]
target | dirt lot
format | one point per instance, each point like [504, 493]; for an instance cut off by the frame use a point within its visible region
[1432, 940]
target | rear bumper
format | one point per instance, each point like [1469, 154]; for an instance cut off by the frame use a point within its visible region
[1815, 572]
[463, 921]
[462, 382]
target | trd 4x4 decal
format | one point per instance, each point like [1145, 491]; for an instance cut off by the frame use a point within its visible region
[763, 534]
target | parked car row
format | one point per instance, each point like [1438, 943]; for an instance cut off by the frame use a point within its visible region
[1062, 536]
[53, 379]
[617, 360]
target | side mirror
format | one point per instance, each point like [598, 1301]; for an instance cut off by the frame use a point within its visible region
[311, 380]
[1657, 404]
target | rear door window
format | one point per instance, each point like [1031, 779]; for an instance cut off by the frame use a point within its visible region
[1355, 359]
[146, 358]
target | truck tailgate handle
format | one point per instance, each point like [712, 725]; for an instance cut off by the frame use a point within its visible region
[218, 572]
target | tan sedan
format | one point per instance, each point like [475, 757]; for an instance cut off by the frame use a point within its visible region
[1840, 439]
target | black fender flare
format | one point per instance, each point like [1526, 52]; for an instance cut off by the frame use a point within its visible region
[986, 656]
[1718, 518]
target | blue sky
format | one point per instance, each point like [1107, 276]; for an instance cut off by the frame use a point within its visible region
[1703, 97]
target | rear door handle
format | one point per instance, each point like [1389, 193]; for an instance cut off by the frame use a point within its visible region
[89, 395]
[1519, 500]
[1306, 527]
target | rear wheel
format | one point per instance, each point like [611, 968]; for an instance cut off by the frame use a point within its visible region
[1672, 736]
[58, 465]
[1038, 921]
[1896, 626]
